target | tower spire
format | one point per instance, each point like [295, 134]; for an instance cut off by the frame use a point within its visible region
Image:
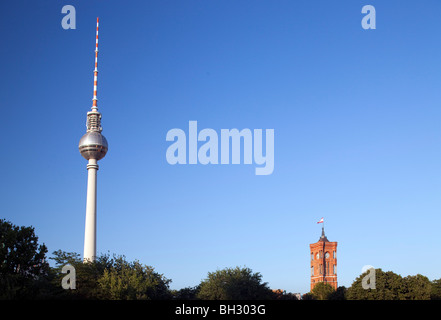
[95, 72]
[323, 236]
[94, 117]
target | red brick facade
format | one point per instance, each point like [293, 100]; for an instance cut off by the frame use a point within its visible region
[323, 262]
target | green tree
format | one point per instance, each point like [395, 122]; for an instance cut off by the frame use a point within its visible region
[339, 294]
[435, 292]
[234, 284]
[23, 266]
[322, 291]
[283, 295]
[188, 293]
[308, 296]
[133, 281]
[388, 286]
[415, 288]
[110, 278]
[87, 275]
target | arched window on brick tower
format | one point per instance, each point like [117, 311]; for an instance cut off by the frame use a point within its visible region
[323, 261]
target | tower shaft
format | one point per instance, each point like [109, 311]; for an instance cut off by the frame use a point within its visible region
[90, 230]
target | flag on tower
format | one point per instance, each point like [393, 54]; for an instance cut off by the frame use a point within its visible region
[321, 220]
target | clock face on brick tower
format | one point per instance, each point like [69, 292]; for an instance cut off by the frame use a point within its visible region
[323, 261]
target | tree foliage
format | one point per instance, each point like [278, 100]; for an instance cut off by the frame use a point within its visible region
[339, 294]
[113, 278]
[87, 274]
[416, 287]
[387, 287]
[23, 266]
[435, 292]
[234, 284]
[391, 286]
[322, 291]
[308, 296]
[283, 295]
[187, 293]
[133, 281]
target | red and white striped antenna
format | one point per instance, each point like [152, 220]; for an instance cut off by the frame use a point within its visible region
[95, 72]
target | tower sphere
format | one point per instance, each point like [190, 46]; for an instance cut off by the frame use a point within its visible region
[93, 145]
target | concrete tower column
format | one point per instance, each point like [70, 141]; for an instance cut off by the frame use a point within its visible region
[90, 230]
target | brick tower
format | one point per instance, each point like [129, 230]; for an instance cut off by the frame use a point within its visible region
[323, 261]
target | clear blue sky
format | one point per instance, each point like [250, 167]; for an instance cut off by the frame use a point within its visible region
[356, 115]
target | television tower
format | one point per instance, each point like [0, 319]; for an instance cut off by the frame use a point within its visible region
[93, 147]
